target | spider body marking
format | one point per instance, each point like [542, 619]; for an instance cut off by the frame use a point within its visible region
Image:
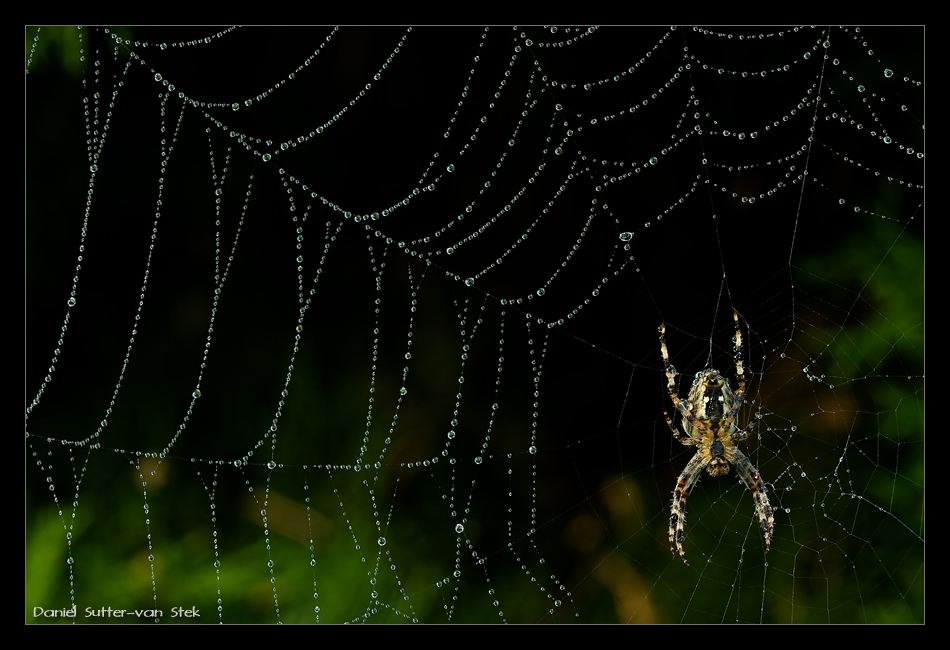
[708, 422]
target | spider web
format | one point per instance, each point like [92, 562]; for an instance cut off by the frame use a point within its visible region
[329, 325]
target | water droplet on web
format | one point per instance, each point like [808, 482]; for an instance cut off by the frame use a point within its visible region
[459, 528]
[381, 541]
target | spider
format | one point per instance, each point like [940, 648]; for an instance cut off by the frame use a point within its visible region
[709, 423]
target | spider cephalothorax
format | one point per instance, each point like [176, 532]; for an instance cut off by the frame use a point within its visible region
[708, 422]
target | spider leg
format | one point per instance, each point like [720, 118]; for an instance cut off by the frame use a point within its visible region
[685, 483]
[738, 352]
[740, 374]
[678, 433]
[750, 476]
[681, 405]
